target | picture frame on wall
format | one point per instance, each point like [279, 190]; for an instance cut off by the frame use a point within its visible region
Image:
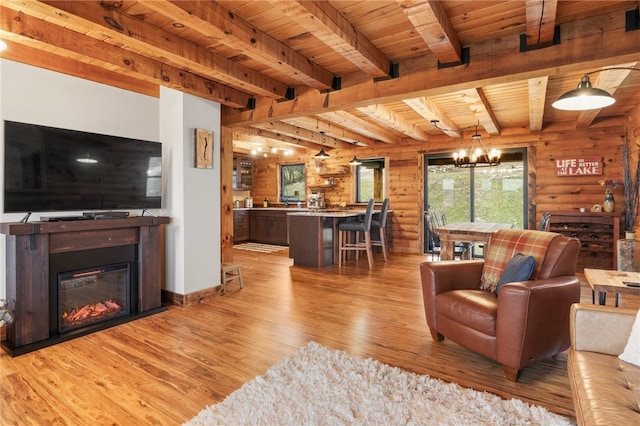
[204, 149]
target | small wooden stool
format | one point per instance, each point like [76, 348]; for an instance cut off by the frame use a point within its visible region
[229, 272]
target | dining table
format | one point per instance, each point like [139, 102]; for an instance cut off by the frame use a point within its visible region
[468, 232]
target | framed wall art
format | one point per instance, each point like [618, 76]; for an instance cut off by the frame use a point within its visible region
[204, 149]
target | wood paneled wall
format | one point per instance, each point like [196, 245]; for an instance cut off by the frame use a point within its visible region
[405, 172]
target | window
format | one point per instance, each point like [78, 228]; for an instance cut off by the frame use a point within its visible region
[292, 182]
[479, 194]
[371, 180]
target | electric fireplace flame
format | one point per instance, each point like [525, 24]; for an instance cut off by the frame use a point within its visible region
[92, 295]
[89, 313]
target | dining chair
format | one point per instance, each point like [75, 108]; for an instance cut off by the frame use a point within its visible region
[380, 224]
[356, 227]
[544, 222]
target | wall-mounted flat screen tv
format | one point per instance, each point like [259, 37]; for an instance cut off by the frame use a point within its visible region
[49, 169]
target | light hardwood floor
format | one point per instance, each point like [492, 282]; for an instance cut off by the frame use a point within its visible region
[164, 368]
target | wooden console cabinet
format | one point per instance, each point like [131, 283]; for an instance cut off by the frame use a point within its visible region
[597, 232]
[28, 250]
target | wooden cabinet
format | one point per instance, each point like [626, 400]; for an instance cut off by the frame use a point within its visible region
[597, 232]
[241, 226]
[242, 173]
[269, 227]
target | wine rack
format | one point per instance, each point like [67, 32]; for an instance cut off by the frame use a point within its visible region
[597, 233]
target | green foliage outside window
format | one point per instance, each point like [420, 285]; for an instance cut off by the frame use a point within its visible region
[292, 182]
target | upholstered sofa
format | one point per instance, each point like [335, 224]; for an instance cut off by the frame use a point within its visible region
[521, 323]
[606, 390]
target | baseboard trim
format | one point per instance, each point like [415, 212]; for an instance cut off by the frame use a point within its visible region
[184, 300]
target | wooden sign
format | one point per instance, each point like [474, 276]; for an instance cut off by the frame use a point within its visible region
[579, 166]
[204, 149]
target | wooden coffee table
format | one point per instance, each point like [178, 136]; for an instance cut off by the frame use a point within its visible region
[603, 280]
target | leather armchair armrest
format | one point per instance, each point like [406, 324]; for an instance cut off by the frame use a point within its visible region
[450, 275]
[603, 329]
[533, 319]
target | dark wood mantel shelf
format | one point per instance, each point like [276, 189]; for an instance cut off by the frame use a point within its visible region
[28, 250]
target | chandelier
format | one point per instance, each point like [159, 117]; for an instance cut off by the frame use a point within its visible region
[476, 154]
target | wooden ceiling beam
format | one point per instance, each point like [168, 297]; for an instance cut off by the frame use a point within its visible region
[537, 99]
[43, 35]
[608, 80]
[479, 105]
[312, 136]
[541, 21]
[432, 23]
[587, 49]
[430, 111]
[382, 114]
[224, 27]
[330, 129]
[360, 126]
[47, 59]
[135, 35]
[326, 24]
[278, 138]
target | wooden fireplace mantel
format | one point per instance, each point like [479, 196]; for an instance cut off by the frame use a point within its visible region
[28, 247]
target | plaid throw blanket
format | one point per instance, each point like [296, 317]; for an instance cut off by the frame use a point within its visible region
[504, 244]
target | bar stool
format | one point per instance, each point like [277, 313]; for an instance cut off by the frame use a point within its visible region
[380, 225]
[357, 227]
[230, 271]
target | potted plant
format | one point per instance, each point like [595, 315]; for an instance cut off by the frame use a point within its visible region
[631, 189]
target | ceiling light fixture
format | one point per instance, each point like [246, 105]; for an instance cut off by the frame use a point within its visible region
[3, 45]
[87, 160]
[321, 154]
[476, 154]
[354, 161]
[586, 97]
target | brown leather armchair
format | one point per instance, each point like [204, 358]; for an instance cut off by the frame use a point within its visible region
[525, 322]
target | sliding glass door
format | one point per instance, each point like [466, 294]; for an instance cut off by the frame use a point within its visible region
[478, 194]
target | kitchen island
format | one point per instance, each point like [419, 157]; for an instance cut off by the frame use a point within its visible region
[313, 236]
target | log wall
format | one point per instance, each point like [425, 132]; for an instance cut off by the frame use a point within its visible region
[405, 172]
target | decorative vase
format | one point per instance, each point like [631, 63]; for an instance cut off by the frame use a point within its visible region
[609, 204]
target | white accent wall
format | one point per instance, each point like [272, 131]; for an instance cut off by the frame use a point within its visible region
[191, 197]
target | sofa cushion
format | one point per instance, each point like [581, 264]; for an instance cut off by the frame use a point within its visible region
[631, 352]
[504, 244]
[519, 268]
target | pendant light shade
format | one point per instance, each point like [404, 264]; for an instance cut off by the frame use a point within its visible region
[321, 154]
[354, 161]
[584, 98]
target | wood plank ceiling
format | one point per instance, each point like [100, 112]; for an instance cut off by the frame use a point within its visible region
[359, 71]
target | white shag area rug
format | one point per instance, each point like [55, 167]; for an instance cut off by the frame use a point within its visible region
[321, 386]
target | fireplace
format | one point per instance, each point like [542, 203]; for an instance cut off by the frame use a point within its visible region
[90, 296]
[90, 287]
[69, 279]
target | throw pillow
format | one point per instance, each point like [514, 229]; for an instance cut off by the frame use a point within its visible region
[519, 268]
[631, 352]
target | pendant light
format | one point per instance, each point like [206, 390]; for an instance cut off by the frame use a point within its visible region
[476, 154]
[586, 97]
[354, 161]
[321, 154]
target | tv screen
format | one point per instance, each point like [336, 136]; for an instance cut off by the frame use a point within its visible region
[49, 169]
